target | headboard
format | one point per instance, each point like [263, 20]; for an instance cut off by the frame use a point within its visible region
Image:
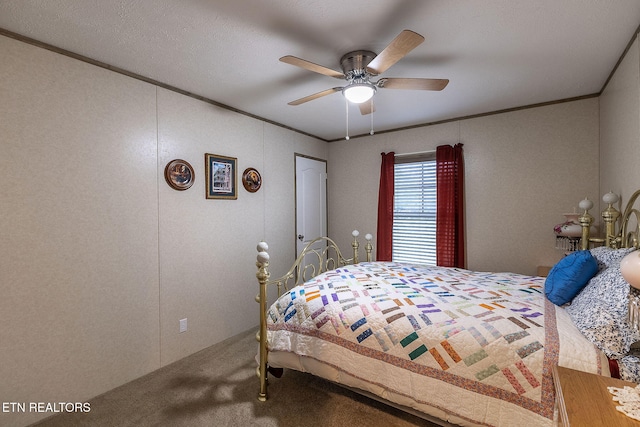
[628, 229]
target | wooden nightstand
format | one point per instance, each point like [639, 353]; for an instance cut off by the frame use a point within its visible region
[544, 270]
[584, 401]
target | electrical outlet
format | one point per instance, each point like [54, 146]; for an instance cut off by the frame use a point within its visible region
[183, 325]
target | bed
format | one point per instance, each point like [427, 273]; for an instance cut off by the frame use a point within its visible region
[451, 345]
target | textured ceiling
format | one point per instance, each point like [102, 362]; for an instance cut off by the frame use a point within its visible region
[497, 54]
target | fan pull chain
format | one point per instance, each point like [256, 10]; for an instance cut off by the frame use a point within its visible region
[346, 103]
[371, 131]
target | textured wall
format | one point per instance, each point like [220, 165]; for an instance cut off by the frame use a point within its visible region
[523, 170]
[620, 130]
[99, 257]
[78, 220]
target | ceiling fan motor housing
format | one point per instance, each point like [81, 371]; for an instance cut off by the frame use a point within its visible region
[354, 64]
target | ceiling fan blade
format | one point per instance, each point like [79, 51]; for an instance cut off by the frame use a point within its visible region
[404, 43]
[311, 66]
[415, 84]
[367, 107]
[315, 96]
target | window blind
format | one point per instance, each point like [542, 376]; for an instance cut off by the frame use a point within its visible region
[414, 213]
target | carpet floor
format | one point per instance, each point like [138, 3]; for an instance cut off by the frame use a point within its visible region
[218, 387]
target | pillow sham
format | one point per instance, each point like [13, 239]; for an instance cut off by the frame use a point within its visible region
[606, 256]
[569, 276]
[630, 368]
[600, 312]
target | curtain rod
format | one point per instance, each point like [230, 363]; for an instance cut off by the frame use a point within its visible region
[418, 153]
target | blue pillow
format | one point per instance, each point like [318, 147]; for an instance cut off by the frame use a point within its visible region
[569, 276]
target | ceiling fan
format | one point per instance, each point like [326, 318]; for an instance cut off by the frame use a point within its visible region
[358, 67]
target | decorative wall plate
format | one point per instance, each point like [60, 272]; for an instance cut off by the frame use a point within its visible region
[251, 180]
[179, 174]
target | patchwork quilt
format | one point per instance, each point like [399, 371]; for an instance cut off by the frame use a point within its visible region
[478, 347]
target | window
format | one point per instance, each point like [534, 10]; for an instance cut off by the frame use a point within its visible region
[414, 212]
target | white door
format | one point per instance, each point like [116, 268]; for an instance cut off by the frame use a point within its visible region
[311, 200]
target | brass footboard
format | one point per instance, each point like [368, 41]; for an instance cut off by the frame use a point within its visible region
[320, 255]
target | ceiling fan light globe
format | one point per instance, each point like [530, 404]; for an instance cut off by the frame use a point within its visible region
[358, 93]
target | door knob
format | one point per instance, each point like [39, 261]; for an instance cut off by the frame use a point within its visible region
[300, 237]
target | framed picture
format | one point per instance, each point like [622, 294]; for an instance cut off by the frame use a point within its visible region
[221, 176]
[179, 174]
[251, 180]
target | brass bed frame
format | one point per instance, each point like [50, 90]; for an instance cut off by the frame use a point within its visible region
[318, 256]
[624, 238]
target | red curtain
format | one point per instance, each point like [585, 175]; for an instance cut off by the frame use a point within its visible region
[450, 206]
[384, 235]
